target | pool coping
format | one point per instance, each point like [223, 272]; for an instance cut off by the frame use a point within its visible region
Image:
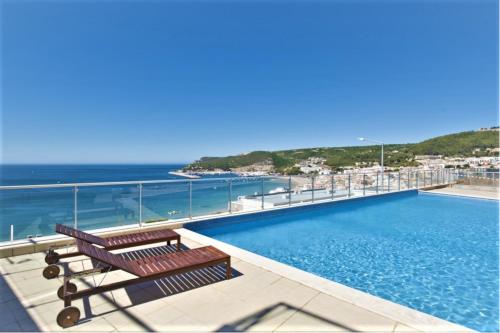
[459, 195]
[404, 315]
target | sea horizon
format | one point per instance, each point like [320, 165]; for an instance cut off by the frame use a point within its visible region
[49, 173]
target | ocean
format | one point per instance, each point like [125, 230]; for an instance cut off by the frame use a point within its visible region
[34, 212]
[34, 174]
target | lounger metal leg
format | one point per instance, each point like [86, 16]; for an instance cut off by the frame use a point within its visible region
[69, 255]
[67, 296]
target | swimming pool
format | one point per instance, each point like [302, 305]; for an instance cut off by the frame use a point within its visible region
[437, 254]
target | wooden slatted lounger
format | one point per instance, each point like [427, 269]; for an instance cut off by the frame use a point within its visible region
[149, 268]
[109, 243]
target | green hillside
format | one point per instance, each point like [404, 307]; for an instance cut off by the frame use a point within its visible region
[459, 144]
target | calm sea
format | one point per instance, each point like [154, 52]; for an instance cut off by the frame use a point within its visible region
[34, 212]
[33, 174]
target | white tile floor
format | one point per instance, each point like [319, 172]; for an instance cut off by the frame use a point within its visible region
[254, 300]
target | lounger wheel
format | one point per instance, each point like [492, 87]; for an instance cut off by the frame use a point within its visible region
[68, 316]
[52, 258]
[51, 271]
[70, 288]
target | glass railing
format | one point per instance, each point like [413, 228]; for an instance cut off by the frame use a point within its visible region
[28, 212]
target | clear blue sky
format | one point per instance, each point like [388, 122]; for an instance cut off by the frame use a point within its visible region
[170, 81]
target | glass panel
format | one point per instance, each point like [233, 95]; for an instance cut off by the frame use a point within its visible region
[424, 179]
[107, 206]
[418, 179]
[407, 178]
[448, 176]
[370, 183]
[341, 186]
[34, 212]
[358, 184]
[210, 197]
[382, 182]
[301, 189]
[323, 187]
[275, 192]
[165, 201]
[246, 194]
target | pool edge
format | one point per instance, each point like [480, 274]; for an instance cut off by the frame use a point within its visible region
[401, 314]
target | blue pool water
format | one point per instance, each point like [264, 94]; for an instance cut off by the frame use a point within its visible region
[437, 254]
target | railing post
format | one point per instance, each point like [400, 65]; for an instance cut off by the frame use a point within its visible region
[364, 184]
[399, 180]
[376, 188]
[289, 190]
[312, 189]
[75, 211]
[262, 189]
[190, 199]
[409, 180]
[11, 232]
[416, 179]
[333, 186]
[229, 195]
[389, 182]
[431, 176]
[349, 184]
[382, 180]
[140, 204]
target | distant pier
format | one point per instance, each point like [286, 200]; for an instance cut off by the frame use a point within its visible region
[183, 174]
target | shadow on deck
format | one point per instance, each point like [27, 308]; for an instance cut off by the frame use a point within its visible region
[270, 312]
[13, 315]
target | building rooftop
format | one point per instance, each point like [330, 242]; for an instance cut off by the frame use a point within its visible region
[255, 299]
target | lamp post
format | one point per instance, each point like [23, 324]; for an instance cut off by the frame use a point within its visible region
[382, 151]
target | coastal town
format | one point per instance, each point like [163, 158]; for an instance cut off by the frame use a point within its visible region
[480, 157]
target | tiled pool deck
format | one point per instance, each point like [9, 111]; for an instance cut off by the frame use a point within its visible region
[256, 299]
[464, 192]
[263, 295]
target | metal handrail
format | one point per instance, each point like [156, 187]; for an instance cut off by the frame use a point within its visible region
[134, 182]
[400, 181]
[162, 181]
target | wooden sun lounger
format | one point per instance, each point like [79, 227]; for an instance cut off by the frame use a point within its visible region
[145, 269]
[109, 243]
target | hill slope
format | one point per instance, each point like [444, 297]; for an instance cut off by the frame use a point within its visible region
[458, 144]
